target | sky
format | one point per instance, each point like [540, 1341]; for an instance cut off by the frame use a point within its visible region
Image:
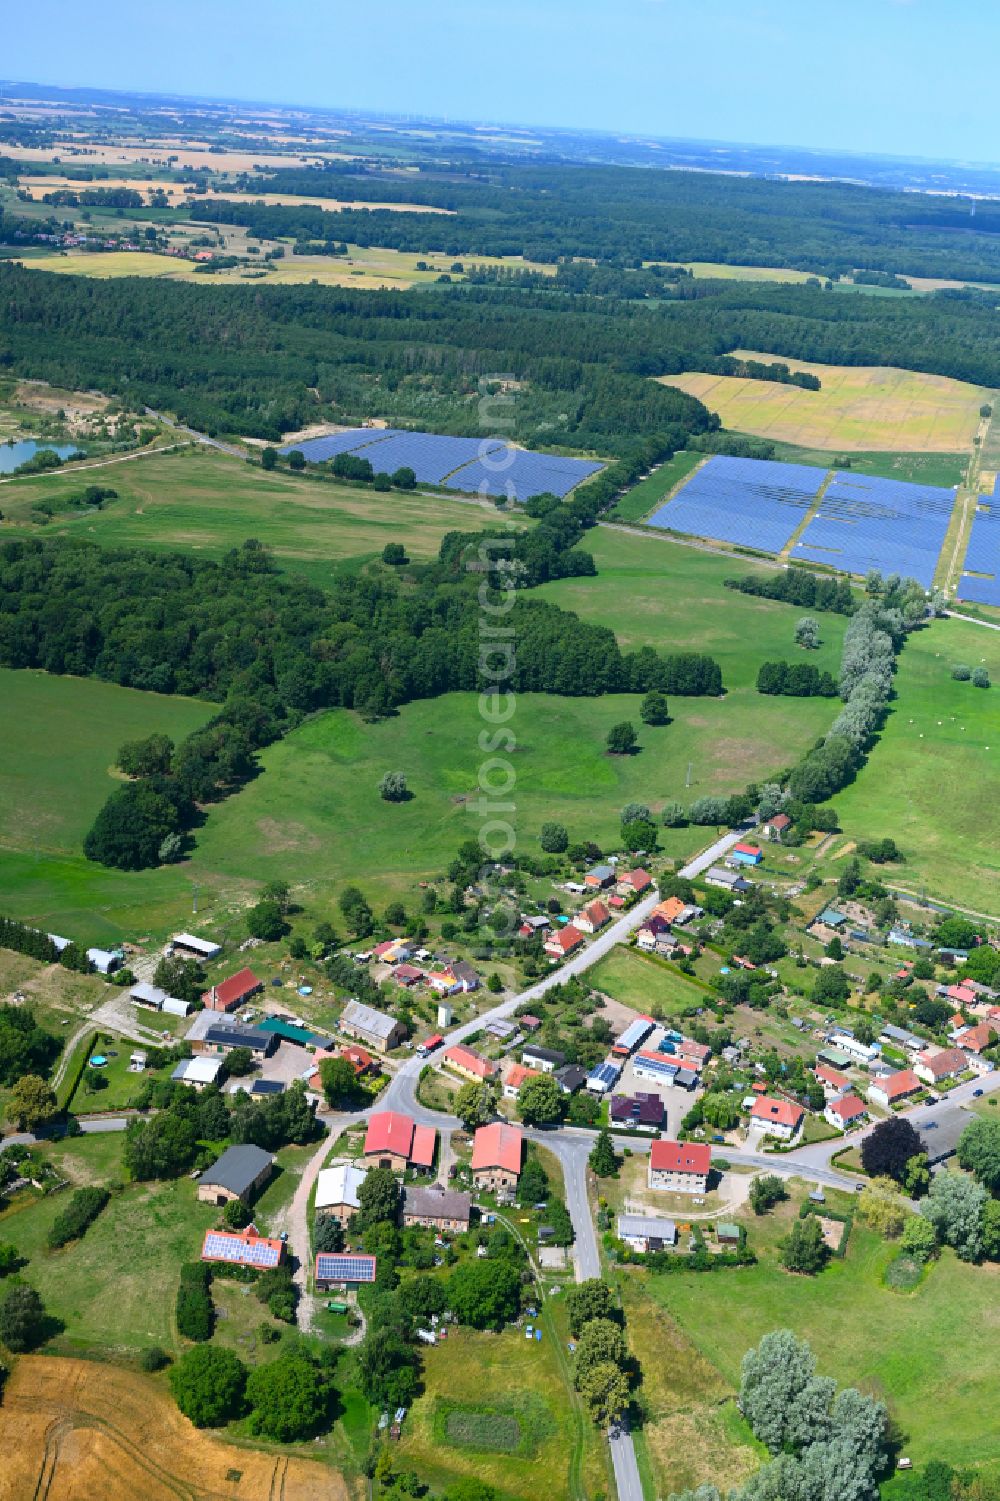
[900, 77]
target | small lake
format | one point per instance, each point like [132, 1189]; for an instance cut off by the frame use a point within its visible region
[13, 455]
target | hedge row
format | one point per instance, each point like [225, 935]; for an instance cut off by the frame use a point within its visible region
[81, 1212]
[195, 1313]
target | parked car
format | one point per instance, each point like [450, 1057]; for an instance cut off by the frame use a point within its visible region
[977, 1094]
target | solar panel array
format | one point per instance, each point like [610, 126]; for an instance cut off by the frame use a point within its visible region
[983, 557]
[319, 450]
[865, 522]
[336, 1267]
[751, 502]
[518, 474]
[234, 1248]
[476, 466]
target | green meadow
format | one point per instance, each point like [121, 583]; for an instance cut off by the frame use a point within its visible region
[649, 492]
[314, 817]
[904, 1347]
[933, 780]
[655, 592]
[200, 500]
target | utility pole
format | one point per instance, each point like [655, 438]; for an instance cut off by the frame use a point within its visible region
[194, 899]
[687, 779]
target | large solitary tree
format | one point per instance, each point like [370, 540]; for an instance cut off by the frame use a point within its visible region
[887, 1150]
[622, 739]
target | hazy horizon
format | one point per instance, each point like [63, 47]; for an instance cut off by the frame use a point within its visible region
[762, 74]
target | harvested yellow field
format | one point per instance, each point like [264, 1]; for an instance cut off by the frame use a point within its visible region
[719, 271]
[178, 193]
[74, 1430]
[859, 408]
[166, 155]
[365, 267]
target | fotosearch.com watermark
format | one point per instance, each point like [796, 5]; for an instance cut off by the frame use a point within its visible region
[496, 804]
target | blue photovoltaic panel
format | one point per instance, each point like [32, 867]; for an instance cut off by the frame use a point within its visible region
[331, 1267]
[476, 466]
[318, 450]
[983, 557]
[519, 474]
[232, 1248]
[431, 457]
[752, 502]
[865, 522]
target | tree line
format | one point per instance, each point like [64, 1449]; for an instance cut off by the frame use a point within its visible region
[270, 648]
[628, 215]
[264, 360]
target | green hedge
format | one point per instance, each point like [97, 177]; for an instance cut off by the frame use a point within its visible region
[81, 1212]
[195, 1313]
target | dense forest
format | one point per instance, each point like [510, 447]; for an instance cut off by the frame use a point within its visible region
[629, 215]
[264, 360]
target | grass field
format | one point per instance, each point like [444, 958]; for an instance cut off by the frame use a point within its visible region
[501, 1374]
[933, 779]
[690, 1431]
[945, 469]
[316, 808]
[203, 501]
[656, 592]
[73, 1428]
[644, 983]
[859, 407]
[649, 492]
[316, 804]
[115, 1288]
[899, 1346]
[58, 739]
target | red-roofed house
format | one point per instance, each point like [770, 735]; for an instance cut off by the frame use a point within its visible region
[832, 1081]
[975, 1039]
[745, 854]
[669, 909]
[497, 1151]
[516, 1077]
[242, 1248]
[680, 1166]
[592, 918]
[778, 1118]
[359, 1058]
[776, 826]
[232, 992]
[699, 1051]
[469, 1063]
[424, 1144]
[563, 941]
[961, 995]
[889, 1092]
[946, 1064]
[408, 974]
[844, 1112]
[394, 1140]
[635, 880]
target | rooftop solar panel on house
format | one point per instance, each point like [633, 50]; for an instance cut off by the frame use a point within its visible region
[233, 1248]
[336, 1267]
[750, 502]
